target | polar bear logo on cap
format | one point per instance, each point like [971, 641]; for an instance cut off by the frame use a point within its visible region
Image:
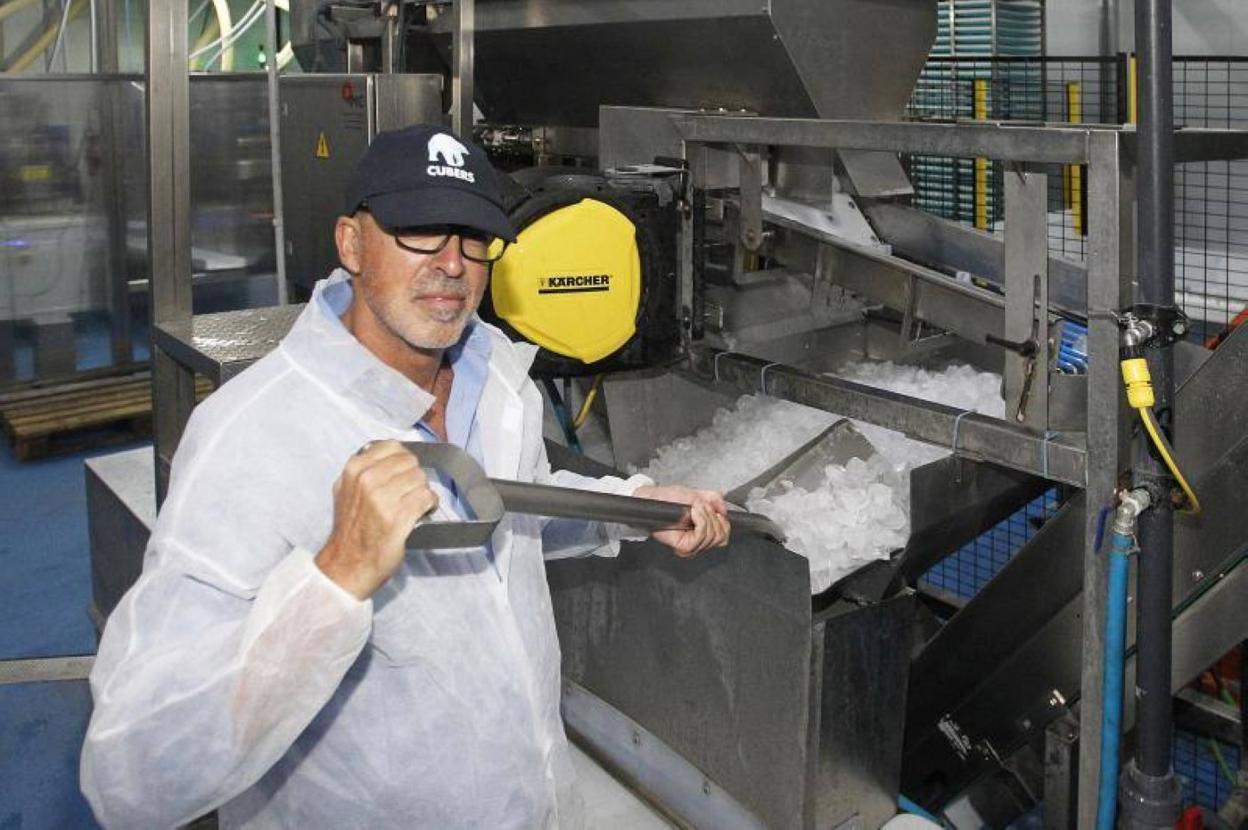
[451, 151]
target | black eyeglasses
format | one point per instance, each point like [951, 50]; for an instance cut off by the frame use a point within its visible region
[474, 246]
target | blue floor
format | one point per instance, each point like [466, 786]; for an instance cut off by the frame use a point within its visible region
[45, 579]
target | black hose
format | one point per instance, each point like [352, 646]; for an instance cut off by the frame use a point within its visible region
[561, 415]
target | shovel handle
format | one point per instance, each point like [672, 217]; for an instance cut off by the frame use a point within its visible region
[645, 514]
[487, 499]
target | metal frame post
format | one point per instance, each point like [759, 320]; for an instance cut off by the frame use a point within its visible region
[168, 221]
[113, 110]
[1109, 210]
[275, 147]
[463, 33]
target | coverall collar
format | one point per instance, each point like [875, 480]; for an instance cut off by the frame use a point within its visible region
[321, 346]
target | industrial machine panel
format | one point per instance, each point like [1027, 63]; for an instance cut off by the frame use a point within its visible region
[327, 123]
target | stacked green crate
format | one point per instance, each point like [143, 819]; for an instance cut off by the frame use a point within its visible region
[962, 80]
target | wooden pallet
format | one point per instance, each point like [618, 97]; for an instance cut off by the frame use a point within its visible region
[72, 417]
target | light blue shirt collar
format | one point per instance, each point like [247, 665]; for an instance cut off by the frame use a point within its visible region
[323, 346]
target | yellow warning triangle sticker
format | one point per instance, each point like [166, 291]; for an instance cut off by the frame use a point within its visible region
[322, 146]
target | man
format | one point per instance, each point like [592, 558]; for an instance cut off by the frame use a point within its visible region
[282, 659]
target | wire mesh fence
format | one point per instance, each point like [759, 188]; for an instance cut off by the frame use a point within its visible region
[1211, 198]
[967, 570]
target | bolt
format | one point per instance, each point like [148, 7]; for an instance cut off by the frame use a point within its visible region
[636, 738]
[1197, 575]
[1025, 723]
[706, 787]
[1179, 328]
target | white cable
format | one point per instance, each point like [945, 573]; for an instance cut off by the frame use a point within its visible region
[248, 20]
[198, 11]
[235, 31]
[224, 43]
[60, 35]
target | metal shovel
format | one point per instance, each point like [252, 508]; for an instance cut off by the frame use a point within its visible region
[489, 498]
[804, 467]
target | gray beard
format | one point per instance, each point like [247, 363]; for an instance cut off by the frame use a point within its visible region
[422, 343]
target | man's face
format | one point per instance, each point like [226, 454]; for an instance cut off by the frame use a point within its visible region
[423, 299]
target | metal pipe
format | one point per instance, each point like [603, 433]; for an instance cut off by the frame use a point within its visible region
[647, 514]
[1150, 793]
[1109, 28]
[275, 146]
[462, 92]
[1155, 287]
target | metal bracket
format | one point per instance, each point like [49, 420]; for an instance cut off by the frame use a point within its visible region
[1169, 324]
[1027, 298]
[751, 172]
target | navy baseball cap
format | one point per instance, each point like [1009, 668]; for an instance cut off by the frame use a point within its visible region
[424, 175]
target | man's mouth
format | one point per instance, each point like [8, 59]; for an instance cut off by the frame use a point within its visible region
[443, 307]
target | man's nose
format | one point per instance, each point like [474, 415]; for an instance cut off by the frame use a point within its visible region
[451, 258]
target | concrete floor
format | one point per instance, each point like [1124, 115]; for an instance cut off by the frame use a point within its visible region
[45, 580]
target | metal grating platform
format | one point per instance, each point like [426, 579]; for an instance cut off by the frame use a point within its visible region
[222, 345]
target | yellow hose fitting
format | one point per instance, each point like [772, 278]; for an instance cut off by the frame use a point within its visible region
[1139, 383]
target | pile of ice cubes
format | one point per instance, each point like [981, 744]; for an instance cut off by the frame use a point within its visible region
[860, 511]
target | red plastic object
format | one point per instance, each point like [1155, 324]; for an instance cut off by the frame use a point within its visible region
[1191, 819]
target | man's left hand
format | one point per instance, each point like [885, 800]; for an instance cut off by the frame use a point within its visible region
[707, 510]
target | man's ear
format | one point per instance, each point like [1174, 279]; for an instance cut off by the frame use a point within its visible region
[349, 237]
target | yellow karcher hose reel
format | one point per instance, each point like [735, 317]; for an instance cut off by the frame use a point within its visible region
[591, 278]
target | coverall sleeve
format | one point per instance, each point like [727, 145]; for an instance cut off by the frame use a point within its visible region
[563, 538]
[200, 688]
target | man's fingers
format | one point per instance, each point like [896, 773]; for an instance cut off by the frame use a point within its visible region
[416, 504]
[695, 540]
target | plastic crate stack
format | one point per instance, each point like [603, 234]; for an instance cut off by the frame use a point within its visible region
[946, 89]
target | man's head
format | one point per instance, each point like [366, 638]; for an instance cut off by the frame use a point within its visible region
[424, 217]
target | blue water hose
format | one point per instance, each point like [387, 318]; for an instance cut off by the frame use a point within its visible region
[909, 806]
[1111, 684]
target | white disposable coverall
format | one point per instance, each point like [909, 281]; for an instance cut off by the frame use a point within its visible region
[235, 676]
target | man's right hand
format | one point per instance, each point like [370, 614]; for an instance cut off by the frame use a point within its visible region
[380, 496]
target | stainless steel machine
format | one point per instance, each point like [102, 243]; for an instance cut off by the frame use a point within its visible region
[721, 687]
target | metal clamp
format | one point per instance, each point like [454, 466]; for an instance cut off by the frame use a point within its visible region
[762, 376]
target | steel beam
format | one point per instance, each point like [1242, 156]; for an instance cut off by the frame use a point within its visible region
[1110, 229]
[1057, 145]
[168, 220]
[979, 437]
[1032, 144]
[463, 33]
